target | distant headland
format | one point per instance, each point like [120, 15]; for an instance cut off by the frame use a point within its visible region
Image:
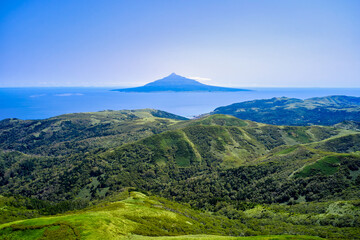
[176, 83]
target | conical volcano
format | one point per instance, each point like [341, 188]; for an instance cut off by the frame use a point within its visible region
[177, 83]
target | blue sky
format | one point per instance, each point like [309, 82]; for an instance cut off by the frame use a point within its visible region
[267, 43]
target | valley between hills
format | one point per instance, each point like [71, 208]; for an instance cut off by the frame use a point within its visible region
[149, 174]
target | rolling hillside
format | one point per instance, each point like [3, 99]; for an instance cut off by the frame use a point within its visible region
[291, 111]
[256, 178]
[80, 132]
[194, 151]
[133, 215]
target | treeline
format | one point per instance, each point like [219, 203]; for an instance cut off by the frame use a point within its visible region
[19, 207]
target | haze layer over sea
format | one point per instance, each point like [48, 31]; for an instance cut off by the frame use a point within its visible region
[39, 103]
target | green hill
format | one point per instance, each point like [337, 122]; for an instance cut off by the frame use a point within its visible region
[258, 179]
[170, 163]
[291, 111]
[133, 215]
[81, 132]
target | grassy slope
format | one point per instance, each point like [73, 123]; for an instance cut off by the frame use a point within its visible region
[136, 217]
[231, 141]
[212, 237]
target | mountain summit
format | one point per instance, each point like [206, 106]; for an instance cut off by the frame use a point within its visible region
[177, 83]
[174, 80]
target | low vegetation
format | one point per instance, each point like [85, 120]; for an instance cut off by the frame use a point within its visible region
[203, 179]
[137, 216]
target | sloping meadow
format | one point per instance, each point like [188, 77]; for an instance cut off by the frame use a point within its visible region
[257, 178]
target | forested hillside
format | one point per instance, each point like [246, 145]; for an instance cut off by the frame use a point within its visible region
[80, 132]
[262, 179]
[292, 111]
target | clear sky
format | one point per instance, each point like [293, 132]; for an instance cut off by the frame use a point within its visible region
[252, 43]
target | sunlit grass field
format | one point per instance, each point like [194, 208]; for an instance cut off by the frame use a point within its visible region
[135, 217]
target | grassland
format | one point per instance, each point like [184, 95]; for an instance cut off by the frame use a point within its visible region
[135, 217]
[325, 166]
[212, 237]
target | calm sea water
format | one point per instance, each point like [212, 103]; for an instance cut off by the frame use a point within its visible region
[39, 103]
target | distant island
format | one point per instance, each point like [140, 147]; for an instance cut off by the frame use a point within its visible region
[177, 83]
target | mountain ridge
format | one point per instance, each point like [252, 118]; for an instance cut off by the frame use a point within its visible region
[327, 110]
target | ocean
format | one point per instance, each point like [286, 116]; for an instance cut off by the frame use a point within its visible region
[40, 103]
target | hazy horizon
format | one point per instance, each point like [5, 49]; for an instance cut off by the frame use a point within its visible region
[229, 43]
[44, 102]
